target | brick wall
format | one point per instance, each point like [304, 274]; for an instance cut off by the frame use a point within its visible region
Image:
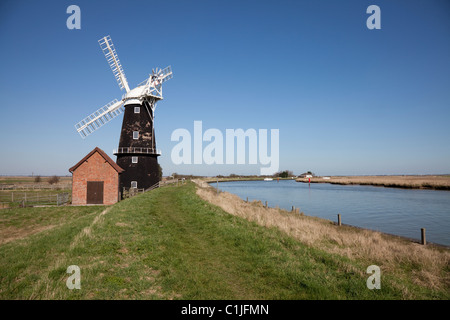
[95, 168]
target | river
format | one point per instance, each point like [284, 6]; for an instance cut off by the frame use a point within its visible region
[401, 212]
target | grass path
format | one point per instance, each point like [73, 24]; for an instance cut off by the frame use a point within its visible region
[171, 244]
[201, 252]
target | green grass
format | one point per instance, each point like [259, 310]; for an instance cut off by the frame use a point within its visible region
[26, 261]
[170, 244]
[35, 218]
[14, 198]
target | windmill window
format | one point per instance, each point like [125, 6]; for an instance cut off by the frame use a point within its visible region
[137, 109]
[134, 184]
[135, 135]
[134, 159]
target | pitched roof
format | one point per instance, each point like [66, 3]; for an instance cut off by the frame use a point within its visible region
[104, 155]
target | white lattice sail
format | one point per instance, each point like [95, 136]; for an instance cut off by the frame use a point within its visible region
[99, 118]
[114, 62]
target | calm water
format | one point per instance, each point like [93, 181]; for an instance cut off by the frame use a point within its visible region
[396, 211]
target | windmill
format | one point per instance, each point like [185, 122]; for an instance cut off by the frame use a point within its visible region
[137, 153]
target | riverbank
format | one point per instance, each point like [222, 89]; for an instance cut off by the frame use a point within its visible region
[433, 182]
[188, 242]
[400, 258]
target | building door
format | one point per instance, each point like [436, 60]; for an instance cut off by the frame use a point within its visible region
[94, 192]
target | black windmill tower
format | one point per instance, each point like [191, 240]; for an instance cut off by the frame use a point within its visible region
[137, 153]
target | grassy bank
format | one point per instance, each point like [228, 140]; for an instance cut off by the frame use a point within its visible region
[406, 261]
[172, 244]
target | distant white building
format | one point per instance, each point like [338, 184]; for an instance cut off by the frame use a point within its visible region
[305, 175]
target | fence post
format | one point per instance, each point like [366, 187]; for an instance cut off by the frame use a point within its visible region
[424, 239]
[266, 205]
[293, 209]
[12, 196]
[247, 200]
[339, 219]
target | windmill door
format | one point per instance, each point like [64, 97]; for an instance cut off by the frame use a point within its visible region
[94, 192]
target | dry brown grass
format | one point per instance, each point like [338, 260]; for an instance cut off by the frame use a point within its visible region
[428, 264]
[425, 181]
[31, 179]
[12, 233]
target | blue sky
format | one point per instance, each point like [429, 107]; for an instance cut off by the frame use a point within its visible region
[346, 100]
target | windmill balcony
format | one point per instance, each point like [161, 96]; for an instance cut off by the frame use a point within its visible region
[137, 150]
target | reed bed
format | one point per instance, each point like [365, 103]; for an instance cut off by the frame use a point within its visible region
[437, 182]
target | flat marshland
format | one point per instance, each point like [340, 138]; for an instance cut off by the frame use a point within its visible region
[188, 242]
[437, 182]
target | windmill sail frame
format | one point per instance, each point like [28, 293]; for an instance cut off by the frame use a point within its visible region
[112, 58]
[99, 118]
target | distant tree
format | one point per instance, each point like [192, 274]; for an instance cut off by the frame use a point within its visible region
[53, 180]
[284, 174]
[37, 179]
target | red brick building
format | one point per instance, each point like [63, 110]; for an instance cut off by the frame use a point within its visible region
[95, 179]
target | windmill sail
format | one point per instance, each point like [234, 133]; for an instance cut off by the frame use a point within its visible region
[99, 118]
[156, 79]
[166, 74]
[113, 61]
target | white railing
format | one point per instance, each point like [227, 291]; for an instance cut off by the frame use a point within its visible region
[140, 150]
